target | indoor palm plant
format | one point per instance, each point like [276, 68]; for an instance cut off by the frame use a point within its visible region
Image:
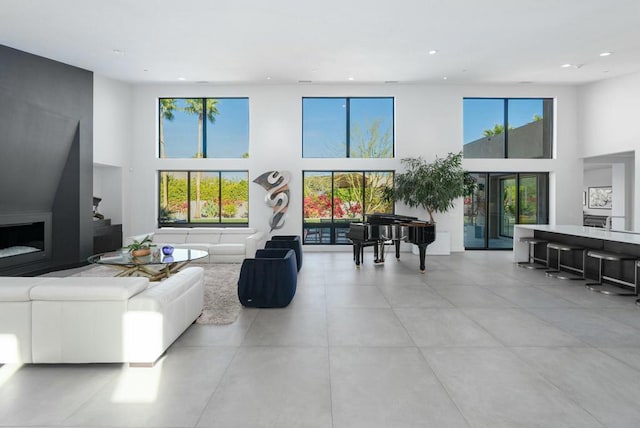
[141, 248]
[433, 186]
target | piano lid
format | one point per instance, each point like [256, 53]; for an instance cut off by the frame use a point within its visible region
[379, 218]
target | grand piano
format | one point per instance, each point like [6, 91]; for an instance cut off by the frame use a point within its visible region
[382, 228]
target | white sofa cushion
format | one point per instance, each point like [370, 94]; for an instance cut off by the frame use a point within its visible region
[15, 318]
[157, 316]
[230, 249]
[16, 289]
[204, 235]
[236, 236]
[170, 235]
[89, 289]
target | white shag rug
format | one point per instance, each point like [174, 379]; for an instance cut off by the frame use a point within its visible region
[221, 304]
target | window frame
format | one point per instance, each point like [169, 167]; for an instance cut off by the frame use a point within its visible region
[505, 123]
[333, 225]
[189, 223]
[204, 125]
[348, 125]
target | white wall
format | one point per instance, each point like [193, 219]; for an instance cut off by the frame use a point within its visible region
[112, 119]
[428, 123]
[608, 116]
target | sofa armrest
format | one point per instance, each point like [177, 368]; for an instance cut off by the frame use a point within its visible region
[253, 243]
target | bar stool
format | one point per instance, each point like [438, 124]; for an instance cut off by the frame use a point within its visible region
[564, 248]
[603, 256]
[531, 263]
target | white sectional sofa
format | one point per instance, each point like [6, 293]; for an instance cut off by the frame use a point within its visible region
[96, 320]
[224, 244]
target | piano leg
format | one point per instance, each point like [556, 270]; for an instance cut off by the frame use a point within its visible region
[357, 250]
[397, 244]
[423, 253]
[379, 254]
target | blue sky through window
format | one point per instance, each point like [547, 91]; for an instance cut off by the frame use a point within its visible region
[324, 127]
[227, 137]
[324, 124]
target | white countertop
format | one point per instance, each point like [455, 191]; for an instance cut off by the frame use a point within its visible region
[586, 232]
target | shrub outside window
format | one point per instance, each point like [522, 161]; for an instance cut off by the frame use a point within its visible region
[334, 199]
[203, 197]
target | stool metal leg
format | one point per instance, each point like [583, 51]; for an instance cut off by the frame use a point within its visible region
[559, 274]
[595, 286]
[531, 263]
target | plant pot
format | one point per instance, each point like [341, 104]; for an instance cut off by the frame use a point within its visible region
[141, 252]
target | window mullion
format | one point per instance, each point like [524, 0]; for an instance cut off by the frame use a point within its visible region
[506, 128]
[348, 130]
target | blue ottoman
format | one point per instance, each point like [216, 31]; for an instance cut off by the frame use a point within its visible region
[269, 280]
[292, 242]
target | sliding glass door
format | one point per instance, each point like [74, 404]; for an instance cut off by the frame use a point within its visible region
[501, 201]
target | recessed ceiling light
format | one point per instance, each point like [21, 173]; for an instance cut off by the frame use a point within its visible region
[351, 78]
[444, 77]
[433, 52]
[605, 53]
[566, 65]
[268, 77]
[117, 52]
[182, 78]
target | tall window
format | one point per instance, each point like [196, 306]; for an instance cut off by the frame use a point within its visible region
[347, 127]
[507, 128]
[204, 127]
[203, 197]
[333, 199]
[502, 200]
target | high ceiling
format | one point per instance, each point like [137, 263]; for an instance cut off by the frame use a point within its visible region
[331, 41]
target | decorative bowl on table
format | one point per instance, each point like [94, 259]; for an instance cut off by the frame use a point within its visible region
[167, 250]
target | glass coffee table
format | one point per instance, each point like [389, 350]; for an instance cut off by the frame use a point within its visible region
[155, 268]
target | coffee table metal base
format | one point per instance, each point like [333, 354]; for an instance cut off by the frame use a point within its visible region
[149, 271]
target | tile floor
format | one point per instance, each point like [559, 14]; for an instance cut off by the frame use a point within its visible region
[475, 342]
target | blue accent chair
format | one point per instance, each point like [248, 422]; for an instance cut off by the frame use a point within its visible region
[269, 280]
[287, 241]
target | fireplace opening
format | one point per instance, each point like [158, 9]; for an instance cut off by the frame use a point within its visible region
[20, 239]
[24, 238]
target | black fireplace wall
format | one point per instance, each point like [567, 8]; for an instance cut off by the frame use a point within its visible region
[46, 152]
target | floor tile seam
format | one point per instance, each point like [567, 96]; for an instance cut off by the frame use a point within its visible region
[604, 348]
[444, 388]
[622, 322]
[203, 346]
[215, 390]
[326, 326]
[566, 331]
[404, 327]
[112, 377]
[551, 296]
[294, 346]
[480, 326]
[549, 380]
